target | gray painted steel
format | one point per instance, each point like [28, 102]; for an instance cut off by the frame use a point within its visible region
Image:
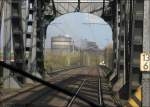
[146, 48]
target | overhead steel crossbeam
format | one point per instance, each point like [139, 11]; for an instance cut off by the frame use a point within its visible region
[86, 6]
[50, 8]
[96, 10]
[78, 7]
[54, 8]
[81, 1]
[104, 5]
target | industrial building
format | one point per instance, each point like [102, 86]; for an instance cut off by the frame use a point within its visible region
[88, 45]
[91, 45]
[62, 44]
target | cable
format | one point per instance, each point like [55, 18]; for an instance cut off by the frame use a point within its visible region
[60, 28]
[69, 28]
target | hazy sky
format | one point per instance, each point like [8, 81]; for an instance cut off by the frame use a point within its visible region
[80, 26]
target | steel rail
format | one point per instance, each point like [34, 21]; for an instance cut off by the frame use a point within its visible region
[99, 91]
[100, 96]
[77, 92]
[46, 83]
[32, 88]
[21, 92]
[27, 90]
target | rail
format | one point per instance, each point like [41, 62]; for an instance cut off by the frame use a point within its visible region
[77, 92]
[46, 83]
[100, 95]
[31, 88]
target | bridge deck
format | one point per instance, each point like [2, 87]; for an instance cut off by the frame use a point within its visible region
[82, 81]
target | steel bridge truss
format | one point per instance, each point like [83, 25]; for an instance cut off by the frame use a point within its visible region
[23, 32]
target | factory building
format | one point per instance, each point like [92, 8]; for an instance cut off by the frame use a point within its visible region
[62, 44]
[88, 45]
[91, 45]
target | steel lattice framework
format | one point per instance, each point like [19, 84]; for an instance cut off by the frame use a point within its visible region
[67, 6]
[23, 40]
[23, 31]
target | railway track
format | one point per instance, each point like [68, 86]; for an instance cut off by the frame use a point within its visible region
[37, 90]
[77, 85]
[85, 82]
[89, 88]
[74, 97]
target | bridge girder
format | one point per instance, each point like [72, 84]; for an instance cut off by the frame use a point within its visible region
[39, 12]
[85, 6]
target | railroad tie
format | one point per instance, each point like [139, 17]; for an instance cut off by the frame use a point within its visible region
[136, 99]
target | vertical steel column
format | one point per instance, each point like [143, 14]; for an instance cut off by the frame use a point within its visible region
[116, 30]
[122, 66]
[28, 45]
[78, 7]
[40, 38]
[103, 6]
[1, 38]
[146, 48]
[6, 41]
[129, 74]
[12, 35]
[31, 40]
[136, 44]
[17, 57]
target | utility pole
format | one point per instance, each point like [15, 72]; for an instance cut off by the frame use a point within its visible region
[146, 48]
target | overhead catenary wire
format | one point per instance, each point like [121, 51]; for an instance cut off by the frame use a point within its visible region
[90, 25]
[69, 27]
[55, 25]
